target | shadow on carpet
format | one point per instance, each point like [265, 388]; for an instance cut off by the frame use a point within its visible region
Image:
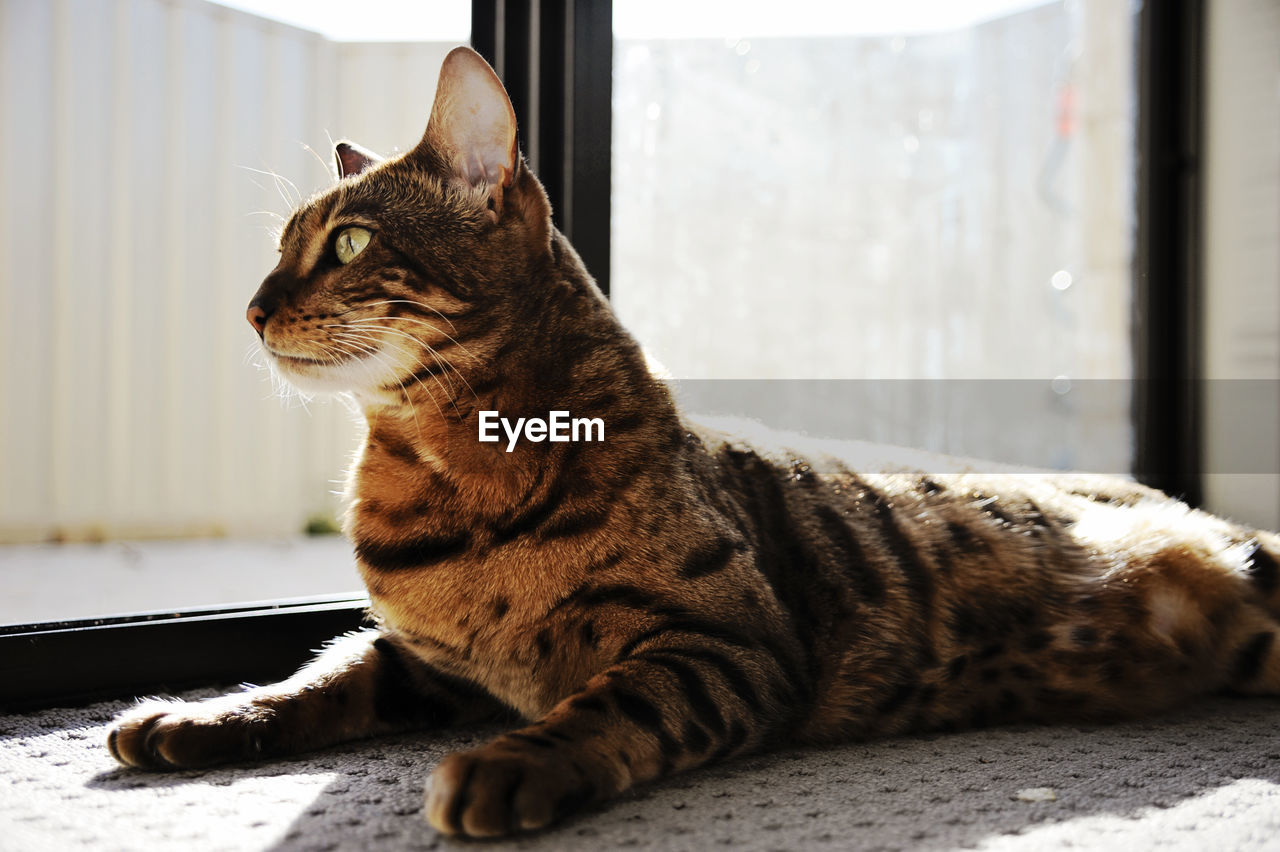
[1208, 777]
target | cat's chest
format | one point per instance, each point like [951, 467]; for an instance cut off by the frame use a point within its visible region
[462, 596]
[469, 626]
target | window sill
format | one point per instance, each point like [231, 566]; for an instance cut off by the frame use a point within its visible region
[74, 662]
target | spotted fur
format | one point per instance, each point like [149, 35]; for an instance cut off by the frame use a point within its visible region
[677, 594]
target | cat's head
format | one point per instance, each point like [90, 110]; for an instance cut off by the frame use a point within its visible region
[409, 269]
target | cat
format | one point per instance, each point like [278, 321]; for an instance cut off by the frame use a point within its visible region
[672, 595]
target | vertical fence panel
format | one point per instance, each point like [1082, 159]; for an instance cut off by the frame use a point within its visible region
[195, 283]
[27, 56]
[178, 475]
[143, 302]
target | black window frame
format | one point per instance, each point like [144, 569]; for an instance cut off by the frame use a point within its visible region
[555, 57]
[1168, 292]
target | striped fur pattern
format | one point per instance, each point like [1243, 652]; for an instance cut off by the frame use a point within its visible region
[676, 594]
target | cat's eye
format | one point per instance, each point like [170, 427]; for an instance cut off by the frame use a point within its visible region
[350, 242]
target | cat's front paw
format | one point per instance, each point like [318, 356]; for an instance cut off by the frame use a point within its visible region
[184, 735]
[506, 787]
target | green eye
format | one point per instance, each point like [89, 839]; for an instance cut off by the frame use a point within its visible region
[350, 242]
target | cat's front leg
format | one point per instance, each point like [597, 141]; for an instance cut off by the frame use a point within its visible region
[360, 685]
[658, 712]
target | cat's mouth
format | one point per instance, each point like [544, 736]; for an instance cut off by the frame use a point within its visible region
[312, 373]
[334, 372]
[304, 361]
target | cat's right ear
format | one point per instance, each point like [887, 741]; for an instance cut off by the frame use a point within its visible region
[352, 159]
[472, 128]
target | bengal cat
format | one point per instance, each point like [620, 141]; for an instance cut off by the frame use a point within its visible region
[672, 595]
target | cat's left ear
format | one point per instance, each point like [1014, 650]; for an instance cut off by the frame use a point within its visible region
[472, 125]
[352, 159]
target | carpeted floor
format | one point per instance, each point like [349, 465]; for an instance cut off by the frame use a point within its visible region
[1206, 778]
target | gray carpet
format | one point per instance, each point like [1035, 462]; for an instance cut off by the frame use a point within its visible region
[1205, 778]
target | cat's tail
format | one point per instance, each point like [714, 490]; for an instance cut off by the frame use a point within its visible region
[1263, 569]
[1253, 635]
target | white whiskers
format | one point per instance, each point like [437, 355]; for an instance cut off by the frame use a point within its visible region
[415, 304]
[282, 184]
[379, 325]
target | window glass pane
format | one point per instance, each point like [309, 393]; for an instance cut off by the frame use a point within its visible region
[158, 152]
[930, 206]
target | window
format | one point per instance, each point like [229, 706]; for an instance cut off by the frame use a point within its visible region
[44, 663]
[912, 225]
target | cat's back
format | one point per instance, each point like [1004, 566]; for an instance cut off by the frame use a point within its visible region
[952, 506]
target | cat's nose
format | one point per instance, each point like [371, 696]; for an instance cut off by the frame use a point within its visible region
[268, 298]
[257, 316]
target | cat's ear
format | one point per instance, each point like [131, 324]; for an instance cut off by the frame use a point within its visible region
[352, 159]
[472, 125]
